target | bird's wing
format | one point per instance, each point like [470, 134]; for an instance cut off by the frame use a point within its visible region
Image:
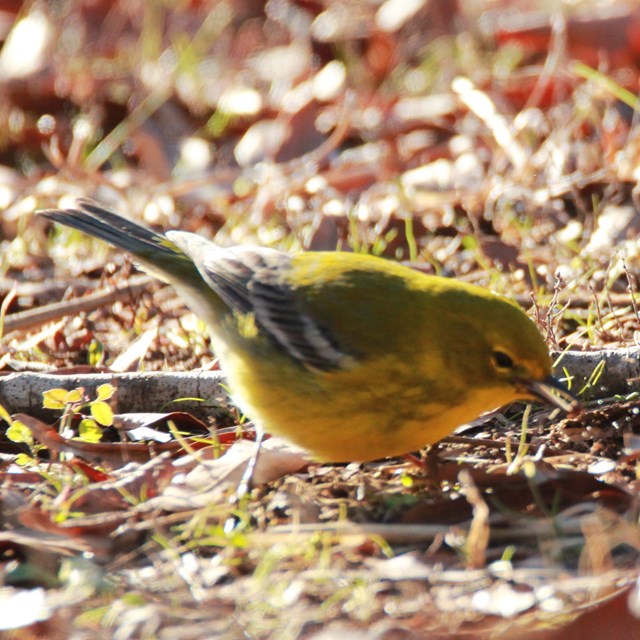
[252, 281]
[278, 312]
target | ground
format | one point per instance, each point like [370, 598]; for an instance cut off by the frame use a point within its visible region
[493, 144]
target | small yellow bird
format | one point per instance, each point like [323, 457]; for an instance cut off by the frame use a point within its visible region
[350, 356]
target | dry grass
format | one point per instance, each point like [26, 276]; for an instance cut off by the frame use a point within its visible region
[471, 151]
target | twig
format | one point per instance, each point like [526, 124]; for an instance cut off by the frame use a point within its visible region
[35, 317]
[146, 392]
[630, 289]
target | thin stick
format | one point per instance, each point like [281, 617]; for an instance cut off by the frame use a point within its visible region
[36, 317]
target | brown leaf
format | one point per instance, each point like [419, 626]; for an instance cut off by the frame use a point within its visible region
[115, 454]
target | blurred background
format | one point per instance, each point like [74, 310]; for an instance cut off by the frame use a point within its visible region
[492, 141]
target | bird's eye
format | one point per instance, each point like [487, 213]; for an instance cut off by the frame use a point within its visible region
[502, 360]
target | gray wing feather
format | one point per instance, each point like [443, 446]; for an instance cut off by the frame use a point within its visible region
[251, 280]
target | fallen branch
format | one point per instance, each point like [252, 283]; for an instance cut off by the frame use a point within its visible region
[161, 391]
[619, 375]
[56, 310]
[136, 392]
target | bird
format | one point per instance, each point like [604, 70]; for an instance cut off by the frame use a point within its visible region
[350, 356]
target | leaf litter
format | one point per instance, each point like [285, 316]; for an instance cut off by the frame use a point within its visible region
[503, 153]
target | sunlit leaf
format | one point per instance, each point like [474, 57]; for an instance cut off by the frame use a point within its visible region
[102, 413]
[105, 391]
[75, 395]
[407, 481]
[95, 353]
[89, 431]
[54, 398]
[24, 460]
[19, 432]
[4, 415]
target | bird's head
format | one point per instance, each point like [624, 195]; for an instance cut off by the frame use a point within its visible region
[506, 354]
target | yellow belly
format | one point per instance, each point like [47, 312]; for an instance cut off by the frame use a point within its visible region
[352, 415]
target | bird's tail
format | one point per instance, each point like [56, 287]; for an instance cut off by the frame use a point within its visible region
[155, 252]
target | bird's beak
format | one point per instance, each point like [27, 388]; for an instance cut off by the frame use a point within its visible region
[553, 391]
